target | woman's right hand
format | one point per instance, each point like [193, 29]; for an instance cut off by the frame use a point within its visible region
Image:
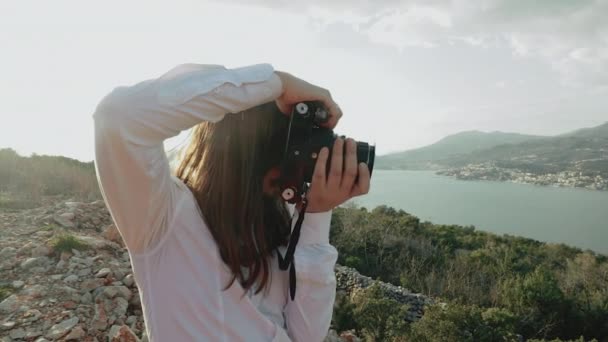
[296, 90]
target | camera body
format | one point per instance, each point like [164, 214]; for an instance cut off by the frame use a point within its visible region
[305, 138]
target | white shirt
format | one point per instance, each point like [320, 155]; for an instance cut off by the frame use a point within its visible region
[175, 260]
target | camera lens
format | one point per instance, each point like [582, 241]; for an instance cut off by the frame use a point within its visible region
[366, 153]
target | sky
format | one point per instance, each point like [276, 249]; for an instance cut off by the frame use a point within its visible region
[405, 73]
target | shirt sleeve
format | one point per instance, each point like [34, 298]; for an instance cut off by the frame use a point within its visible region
[308, 316]
[132, 122]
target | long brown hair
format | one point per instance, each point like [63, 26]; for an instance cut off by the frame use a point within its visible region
[224, 167]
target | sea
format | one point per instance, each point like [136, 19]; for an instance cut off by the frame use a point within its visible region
[573, 216]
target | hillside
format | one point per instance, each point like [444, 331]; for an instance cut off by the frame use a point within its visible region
[574, 159]
[579, 159]
[26, 181]
[66, 276]
[453, 145]
[559, 151]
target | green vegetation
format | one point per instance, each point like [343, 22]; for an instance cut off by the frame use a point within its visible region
[66, 242]
[5, 291]
[50, 227]
[464, 323]
[24, 181]
[371, 312]
[458, 144]
[495, 287]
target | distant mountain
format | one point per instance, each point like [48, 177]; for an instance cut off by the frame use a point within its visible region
[575, 159]
[464, 143]
[581, 150]
[600, 131]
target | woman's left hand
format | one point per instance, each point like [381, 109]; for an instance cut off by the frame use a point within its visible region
[297, 90]
[330, 189]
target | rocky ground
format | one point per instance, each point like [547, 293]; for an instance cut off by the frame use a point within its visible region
[54, 293]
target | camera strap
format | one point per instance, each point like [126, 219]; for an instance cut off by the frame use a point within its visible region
[288, 261]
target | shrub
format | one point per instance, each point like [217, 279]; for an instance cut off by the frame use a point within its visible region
[5, 291]
[379, 318]
[462, 323]
[67, 242]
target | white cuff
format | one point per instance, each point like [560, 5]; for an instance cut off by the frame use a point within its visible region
[315, 228]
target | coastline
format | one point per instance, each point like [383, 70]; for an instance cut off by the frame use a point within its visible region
[563, 179]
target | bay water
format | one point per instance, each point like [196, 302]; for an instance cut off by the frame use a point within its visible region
[573, 216]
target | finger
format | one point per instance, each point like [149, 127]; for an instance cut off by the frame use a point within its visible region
[335, 170]
[319, 174]
[350, 166]
[362, 186]
[284, 107]
[335, 114]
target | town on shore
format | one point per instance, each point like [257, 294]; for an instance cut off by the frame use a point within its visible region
[489, 171]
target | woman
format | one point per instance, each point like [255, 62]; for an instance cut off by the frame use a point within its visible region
[203, 243]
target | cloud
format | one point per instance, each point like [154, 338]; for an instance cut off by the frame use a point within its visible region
[570, 36]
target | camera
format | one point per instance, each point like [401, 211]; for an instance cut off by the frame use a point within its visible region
[305, 138]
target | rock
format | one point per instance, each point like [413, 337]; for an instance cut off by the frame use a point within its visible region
[8, 264]
[56, 276]
[119, 307]
[9, 304]
[81, 261]
[92, 284]
[35, 291]
[32, 315]
[111, 233]
[348, 336]
[122, 333]
[84, 272]
[7, 325]
[7, 252]
[42, 339]
[100, 319]
[26, 248]
[76, 334]
[59, 330]
[39, 269]
[120, 273]
[116, 291]
[74, 205]
[65, 220]
[41, 250]
[135, 301]
[128, 280]
[351, 282]
[98, 243]
[65, 256]
[131, 320]
[34, 262]
[86, 298]
[103, 272]
[17, 333]
[332, 336]
[44, 233]
[17, 284]
[71, 278]
[29, 335]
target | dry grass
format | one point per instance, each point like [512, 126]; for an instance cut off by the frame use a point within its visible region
[24, 181]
